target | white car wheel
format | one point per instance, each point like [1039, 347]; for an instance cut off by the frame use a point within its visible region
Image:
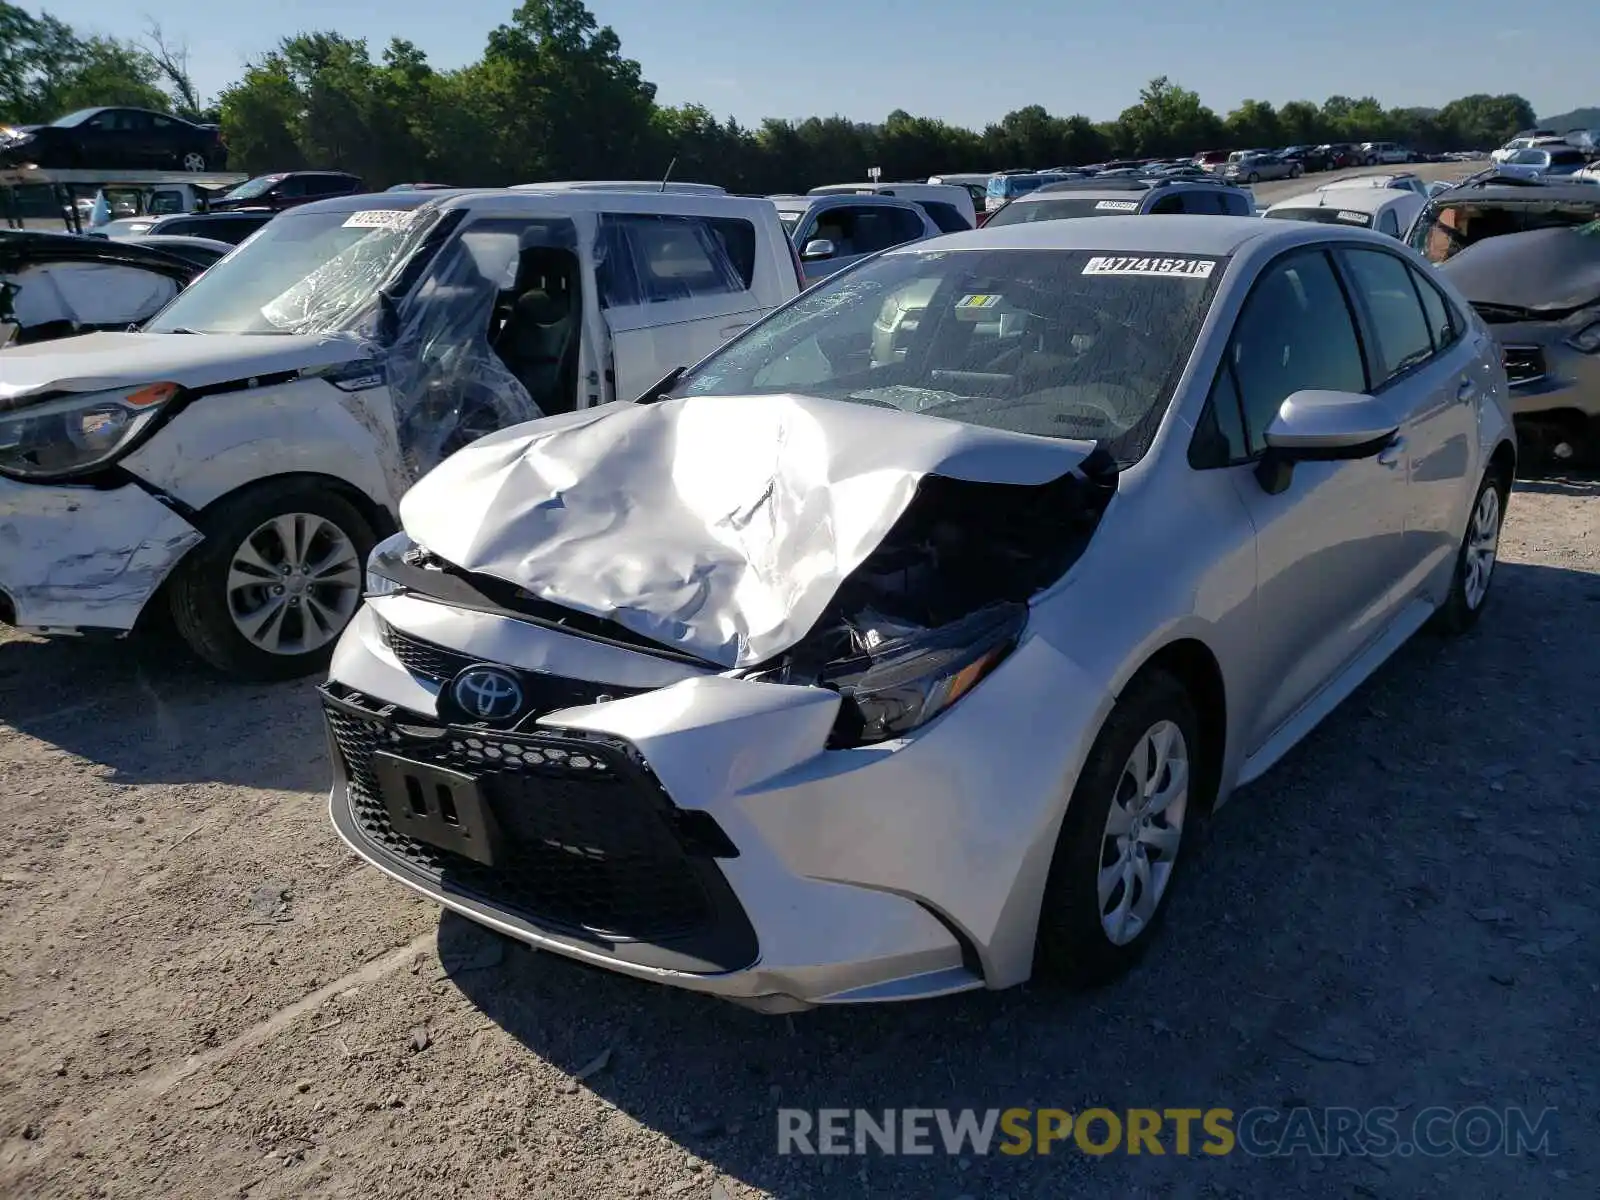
[1144, 829]
[1475, 562]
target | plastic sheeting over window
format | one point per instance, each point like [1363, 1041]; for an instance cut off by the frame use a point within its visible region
[657, 259]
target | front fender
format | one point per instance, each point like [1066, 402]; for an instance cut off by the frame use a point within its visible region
[223, 441]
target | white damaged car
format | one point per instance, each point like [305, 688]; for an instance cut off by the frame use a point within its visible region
[233, 462]
[896, 648]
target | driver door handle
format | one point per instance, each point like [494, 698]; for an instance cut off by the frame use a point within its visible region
[1466, 390]
[1392, 454]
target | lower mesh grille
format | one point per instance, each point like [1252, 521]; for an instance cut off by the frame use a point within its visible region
[592, 842]
[1524, 364]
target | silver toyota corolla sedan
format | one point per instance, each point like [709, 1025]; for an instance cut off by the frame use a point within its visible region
[898, 647]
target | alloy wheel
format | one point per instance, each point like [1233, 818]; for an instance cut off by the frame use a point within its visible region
[294, 583]
[1483, 545]
[1144, 829]
[194, 161]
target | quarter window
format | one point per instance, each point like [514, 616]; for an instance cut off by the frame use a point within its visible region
[1295, 333]
[649, 259]
[1399, 325]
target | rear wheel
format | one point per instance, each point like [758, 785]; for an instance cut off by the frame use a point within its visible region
[276, 581]
[1254, 178]
[1122, 837]
[193, 160]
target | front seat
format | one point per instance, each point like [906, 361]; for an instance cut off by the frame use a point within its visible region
[539, 339]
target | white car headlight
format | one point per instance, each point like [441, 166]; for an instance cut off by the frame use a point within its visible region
[380, 578]
[78, 434]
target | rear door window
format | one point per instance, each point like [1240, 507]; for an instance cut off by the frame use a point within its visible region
[946, 216]
[651, 259]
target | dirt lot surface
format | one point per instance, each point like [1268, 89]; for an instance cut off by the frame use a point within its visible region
[203, 994]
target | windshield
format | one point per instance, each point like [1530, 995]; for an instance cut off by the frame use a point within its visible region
[300, 273]
[1055, 210]
[1059, 343]
[1445, 229]
[1327, 216]
[252, 188]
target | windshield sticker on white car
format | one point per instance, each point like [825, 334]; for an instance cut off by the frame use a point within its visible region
[1359, 218]
[988, 301]
[378, 218]
[1117, 206]
[1190, 268]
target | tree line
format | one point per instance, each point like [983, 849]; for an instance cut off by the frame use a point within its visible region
[554, 97]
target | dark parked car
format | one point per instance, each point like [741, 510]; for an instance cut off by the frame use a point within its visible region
[117, 138]
[1310, 158]
[1341, 154]
[230, 227]
[278, 192]
[56, 284]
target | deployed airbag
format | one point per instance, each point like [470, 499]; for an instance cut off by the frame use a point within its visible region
[719, 525]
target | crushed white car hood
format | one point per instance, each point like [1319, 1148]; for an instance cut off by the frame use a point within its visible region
[718, 525]
[96, 361]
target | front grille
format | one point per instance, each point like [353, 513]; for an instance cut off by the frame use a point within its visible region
[1524, 364]
[593, 844]
[425, 658]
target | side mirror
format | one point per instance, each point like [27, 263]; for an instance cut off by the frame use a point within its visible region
[1318, 426]
[817, 248]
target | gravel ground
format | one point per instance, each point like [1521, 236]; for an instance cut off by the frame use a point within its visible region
[203, 994]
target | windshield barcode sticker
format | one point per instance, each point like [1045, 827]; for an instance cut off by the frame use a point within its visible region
[1118, 206]
[1191, 268]
[378, 218]
[1360, 218]
[978, 301]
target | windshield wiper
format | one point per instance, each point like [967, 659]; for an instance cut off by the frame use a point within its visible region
[660, 390]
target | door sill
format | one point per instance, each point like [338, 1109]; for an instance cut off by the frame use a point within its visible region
[1410, 619]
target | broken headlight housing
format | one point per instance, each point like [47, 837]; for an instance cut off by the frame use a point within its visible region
[1586, 339]
[380, 581]
[904, 684]
[78, 434]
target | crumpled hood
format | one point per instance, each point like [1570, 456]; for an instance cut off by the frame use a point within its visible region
[96, 361]
[1555, 269]
[718, 525]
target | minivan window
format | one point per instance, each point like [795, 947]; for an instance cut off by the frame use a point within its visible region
[654, 259]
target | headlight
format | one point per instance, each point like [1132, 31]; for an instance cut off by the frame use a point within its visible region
[892, 693]
[1586, 339]
[77, 434]
[379, 581]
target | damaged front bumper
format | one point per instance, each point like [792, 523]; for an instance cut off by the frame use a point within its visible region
[81, 558]
[696, 832]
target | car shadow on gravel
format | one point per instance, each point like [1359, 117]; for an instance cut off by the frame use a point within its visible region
[150, 711]
[1575, 484]
[1350, 936]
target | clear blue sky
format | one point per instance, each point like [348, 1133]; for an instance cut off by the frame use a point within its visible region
[963, 60]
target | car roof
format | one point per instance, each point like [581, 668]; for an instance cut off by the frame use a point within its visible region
[1356, 199]
[1172, 234]
[1121, 187]
[1537, 193]
[538, 202]
[836, 200]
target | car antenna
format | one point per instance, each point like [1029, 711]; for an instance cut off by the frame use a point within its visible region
[668, 175]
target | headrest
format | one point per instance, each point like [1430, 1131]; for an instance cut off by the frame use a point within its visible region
[540, 308]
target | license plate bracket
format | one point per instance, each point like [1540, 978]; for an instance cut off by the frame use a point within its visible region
[438, 806]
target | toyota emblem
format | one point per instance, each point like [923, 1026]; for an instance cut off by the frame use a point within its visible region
[487, 693]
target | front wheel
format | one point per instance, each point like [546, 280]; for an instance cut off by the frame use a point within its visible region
[1295, 172]
[276, 581]
[1254, 178]
[1121, 838]
[1475, 561]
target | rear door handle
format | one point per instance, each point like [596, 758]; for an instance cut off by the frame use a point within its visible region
[1391, 454]
[1466, 390]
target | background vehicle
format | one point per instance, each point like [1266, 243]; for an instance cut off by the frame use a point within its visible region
[1341, 154]
[977, 187]
[1256, 168]
[116, 203]
[831, 232]
[1373, 153]
[950, 207]
[1526, 141]
[1007, 186]
[59, 284]
[1525, 259]
[1211, 160]
[228, 226]
[1544, 162]
[201, 251]
[1387, 210]
[1065, 525]
[1123, 196]
[127, 138]
[246, 448]
[287, 190]
[1310, 158]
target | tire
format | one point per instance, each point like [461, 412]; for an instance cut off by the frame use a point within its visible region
[1254, 178]
[1074, 947]
[1468, 596]
[214, 596]
[1295, 171]
[1370, 161]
